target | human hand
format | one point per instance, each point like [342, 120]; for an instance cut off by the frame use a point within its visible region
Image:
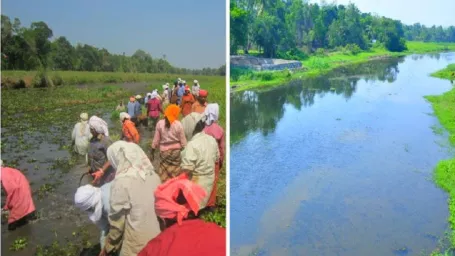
[97, 176]
[103, 253]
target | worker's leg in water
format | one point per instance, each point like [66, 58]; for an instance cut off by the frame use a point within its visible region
[21, 222]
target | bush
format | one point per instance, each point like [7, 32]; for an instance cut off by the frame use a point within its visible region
[320, 52]
[294, 54]
[352, 49]
[57, 79]
[266, 76]
[39, 81]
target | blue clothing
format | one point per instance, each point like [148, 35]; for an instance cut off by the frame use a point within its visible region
[180, 92]
[134, 109]
[131, 108]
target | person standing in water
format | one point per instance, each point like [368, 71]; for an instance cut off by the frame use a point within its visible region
[95, 202]
[195, 89]
[129, 131]
[154, 110]
[200, 154]
[183, 233]
[19, 200]
[187, 102]
[213, 129]
[81, 136]
[132, 216]
[120, 107]
[201, 102]
[169, 139]
[100, 168]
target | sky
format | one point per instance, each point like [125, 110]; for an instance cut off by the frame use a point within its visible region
[428, 13]
[192, 34]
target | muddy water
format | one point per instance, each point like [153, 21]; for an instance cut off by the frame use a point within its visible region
[43, 158]
[340, 165]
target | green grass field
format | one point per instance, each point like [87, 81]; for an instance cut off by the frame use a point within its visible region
[316, 65]
[444, 174]
[29, 78]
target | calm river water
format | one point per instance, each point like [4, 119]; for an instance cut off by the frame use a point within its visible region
[341, 164]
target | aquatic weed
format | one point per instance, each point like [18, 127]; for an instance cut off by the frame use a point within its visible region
[19, 244]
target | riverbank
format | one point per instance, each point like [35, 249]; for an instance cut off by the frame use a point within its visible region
[316, 65]
[444, 174]
[29, 79]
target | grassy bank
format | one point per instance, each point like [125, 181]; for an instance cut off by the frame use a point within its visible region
[320, 64]
[28, 79]
[447, 73]
[444, 175]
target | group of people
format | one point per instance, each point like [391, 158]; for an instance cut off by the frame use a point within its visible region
[141, 210]
[188, 99]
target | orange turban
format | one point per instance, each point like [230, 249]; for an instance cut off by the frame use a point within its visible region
[172, 113]
[203, 93]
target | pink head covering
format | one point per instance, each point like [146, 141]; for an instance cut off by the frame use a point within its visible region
[166, 194]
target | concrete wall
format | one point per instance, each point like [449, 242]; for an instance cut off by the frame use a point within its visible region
[260, 64]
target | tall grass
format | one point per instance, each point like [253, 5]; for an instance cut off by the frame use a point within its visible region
[28, 79]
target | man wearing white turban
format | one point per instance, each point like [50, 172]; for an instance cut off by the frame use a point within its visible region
[132, 217]
[95, 201]
[81, 136]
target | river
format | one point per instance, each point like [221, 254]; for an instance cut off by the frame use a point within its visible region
[340, 164]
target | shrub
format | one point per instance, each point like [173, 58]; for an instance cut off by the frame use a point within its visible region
[266, 76]
[320, 52]
[39, 81]
[57, 79]
[352, 49]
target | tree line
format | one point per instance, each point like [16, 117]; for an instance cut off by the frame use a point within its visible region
[31, 48]
[293, 28]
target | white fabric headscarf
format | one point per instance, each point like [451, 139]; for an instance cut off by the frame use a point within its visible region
[124, 115]
[165, 86]
[149, 95]
[154, 94]
[211, 113]
[128, 159]
[189, 123]
[84, 117]
[99, 125]
[87, 197]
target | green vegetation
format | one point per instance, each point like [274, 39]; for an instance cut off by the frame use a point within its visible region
[283, 29]
[47, 122]
[447, 73]
[323, 37]
[323, 62]
[19, 244]
[32, 79]
[31, 49]
[444, 175]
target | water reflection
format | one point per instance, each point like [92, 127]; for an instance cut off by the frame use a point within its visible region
[261, 111]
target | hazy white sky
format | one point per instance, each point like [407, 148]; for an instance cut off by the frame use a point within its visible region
[434, 12]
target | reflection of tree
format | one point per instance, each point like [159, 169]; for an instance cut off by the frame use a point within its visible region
[261, 111]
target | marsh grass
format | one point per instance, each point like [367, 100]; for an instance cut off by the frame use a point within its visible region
[29, 79]
[444, 174]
